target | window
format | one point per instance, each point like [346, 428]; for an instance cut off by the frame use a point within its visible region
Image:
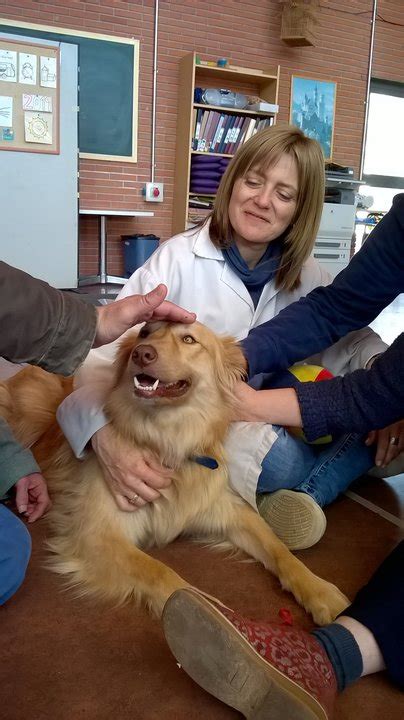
[384, 152]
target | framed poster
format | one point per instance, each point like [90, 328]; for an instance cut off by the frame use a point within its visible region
[108, 94]
[312, 109]
[29, 97]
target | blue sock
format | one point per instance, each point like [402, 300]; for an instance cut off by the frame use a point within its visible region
[343, 653]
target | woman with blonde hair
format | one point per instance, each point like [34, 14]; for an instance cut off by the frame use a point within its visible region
[239, 268]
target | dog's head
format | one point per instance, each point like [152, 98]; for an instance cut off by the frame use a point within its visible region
[168, 363]
[174, 388]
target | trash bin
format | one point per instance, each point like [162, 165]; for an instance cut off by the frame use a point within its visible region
[136, 250]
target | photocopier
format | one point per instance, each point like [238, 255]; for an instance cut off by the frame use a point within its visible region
[333, 244]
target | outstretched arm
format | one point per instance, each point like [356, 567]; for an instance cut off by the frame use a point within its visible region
[54, 329]
[373, 278]
[362, 401]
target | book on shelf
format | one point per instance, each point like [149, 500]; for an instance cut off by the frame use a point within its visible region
[217, 132]
[227, 131]
[201, 139]
[221, 132]
[197, 128]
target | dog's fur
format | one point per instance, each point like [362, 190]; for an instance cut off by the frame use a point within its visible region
[101, 548]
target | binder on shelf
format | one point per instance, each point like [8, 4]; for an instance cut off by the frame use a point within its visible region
[205, 115]
[211, 130]
[197, 129]
[235, 134]
[217, 132]
[225, 136]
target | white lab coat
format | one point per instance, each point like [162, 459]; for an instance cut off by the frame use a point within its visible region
[199, 279]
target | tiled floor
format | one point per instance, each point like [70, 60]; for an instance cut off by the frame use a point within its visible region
[65, 658]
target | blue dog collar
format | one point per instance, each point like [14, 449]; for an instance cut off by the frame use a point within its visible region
[206, 461]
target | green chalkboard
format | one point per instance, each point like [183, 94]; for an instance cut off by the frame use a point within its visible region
[107, 90]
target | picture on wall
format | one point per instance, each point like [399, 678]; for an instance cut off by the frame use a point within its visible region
[312, 109]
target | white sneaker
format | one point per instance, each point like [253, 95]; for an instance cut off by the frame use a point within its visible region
[294, 517]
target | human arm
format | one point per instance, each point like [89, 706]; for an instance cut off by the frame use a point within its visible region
[81, 414]
[358, 402]
[41, 325]
[373, 278]
[19, 469]
[55, 330]
[82, 418]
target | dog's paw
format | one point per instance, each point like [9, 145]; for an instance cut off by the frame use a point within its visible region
[326, 602]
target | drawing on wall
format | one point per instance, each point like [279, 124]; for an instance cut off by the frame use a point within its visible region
[48, 72]
[8, 134]
[39, 103]
[312, 109]
[27, 67]
[8, 65]
[6, 111]
[38, 127]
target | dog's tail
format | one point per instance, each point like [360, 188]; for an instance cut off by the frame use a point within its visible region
[29, 400]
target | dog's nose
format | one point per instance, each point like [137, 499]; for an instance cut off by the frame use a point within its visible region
[144, 355]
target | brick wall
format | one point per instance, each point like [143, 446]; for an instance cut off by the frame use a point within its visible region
[245, 31]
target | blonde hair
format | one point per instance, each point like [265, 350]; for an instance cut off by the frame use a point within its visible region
[262, 151]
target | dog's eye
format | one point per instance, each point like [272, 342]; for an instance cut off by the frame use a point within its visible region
[143, 333]
[188, 339]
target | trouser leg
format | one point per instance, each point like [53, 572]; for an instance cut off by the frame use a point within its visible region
[321, 472]
[15, 551]
[379, 606]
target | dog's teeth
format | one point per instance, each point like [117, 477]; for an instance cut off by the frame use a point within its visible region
[156, 384]
[136, 382]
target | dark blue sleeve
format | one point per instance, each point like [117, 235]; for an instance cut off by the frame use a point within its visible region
[373, 279]
[358, 402]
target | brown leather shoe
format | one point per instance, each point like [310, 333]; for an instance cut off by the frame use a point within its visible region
[264, 670]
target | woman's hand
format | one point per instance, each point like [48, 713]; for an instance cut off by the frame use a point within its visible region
[134, 477]
[245, 407]
[390, 443]
[31, 496]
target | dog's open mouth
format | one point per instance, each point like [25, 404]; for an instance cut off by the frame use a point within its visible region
[147, 386]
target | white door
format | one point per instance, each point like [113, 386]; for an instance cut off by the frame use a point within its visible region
[39, 193]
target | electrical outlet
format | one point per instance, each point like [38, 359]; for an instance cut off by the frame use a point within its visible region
[154, 192]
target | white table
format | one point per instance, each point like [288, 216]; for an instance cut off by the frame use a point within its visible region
[103, 278]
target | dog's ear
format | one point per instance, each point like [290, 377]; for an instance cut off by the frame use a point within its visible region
[232, 365]
[124, 352]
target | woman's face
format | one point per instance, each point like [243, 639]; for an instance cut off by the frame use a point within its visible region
[263, 202]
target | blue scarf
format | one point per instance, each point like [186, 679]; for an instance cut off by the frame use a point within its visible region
[256, 278]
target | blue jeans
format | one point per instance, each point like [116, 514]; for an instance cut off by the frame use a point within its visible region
[322, 471]
[15, 551]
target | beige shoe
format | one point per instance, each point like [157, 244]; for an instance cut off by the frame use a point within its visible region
[294, 516]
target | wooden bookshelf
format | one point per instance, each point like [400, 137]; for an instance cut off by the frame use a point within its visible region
[264, 84]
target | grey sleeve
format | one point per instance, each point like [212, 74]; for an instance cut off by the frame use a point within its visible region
[41, 325]
[15, 461]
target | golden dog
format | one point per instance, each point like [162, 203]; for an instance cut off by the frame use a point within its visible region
[172, 395]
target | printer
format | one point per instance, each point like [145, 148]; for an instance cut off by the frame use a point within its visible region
[332, 248]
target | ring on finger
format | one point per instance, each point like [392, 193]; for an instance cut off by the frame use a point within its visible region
[394, 440]
[133, 499]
